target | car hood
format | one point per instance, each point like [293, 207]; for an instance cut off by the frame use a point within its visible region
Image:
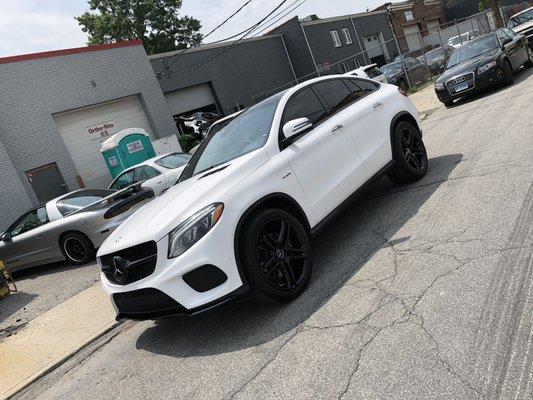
[468, 65]
[523, 27]
[155, 220]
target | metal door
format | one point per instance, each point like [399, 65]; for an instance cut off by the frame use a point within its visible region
[47, 182]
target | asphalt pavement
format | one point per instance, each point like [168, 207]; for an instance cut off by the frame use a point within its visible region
[422, 291]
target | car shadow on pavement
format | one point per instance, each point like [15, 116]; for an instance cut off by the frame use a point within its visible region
[13, 303]
[340, 251]
[46, 269]
[520, 76]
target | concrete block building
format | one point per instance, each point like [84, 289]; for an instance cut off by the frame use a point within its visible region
[56, 109]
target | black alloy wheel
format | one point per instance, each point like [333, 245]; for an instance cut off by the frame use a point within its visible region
[409, 153]
[77, 248]
[413, 149]
[275, 254]
[282, 254]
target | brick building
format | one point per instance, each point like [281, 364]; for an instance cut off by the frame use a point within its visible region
[414, 18]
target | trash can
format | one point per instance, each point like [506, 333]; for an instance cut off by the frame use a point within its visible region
[7, 284]
[125, 149]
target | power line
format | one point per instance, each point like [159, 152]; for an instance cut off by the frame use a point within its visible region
[213, 30]
[244, 38]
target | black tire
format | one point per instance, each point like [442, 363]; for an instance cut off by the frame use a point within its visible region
[409, 153]
[529, 62]
[449, 104]
[508, 76]
[277, 267]
[77, 248]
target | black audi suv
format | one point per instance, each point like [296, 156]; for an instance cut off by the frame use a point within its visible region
[483, 62]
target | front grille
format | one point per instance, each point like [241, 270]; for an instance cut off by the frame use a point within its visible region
[131, 264]
[466, 78]
[145, 301]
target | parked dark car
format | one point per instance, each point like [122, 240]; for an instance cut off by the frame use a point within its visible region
[395, 72]
[437, 59]
[486, 61]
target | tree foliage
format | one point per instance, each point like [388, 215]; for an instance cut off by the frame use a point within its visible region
[156, 22]
[494, 5]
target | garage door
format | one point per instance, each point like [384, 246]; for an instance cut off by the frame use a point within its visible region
[191, 98]
[373, 45]
[84, 129]
[412, 38]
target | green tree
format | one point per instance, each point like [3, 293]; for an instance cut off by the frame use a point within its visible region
[494, 5]
[156, 22]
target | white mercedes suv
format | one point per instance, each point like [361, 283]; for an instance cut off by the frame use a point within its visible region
[242, 212]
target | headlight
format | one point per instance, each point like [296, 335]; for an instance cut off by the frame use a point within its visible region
[189, 232]
[439, 86]
[486, 67]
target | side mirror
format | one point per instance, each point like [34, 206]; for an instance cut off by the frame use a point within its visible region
[296, 127]
[506, 41]
[6, 237]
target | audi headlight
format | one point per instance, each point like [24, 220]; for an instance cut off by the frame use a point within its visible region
[439, 86]
[486, 67]
[189, 232]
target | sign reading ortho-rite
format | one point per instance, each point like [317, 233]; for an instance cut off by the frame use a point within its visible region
[102, 129]
[134, 147]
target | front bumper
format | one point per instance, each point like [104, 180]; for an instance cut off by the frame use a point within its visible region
[174, 295]
[479, 82]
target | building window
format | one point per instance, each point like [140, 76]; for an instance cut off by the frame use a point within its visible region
[409, 16]
[347, 36]
[344, 67]
[336, 38]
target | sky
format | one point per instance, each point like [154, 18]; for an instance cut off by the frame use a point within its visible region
[29, 26]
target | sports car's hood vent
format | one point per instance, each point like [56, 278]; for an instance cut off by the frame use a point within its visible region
[214, 171]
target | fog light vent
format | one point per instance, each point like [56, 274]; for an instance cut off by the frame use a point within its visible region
[205, 278]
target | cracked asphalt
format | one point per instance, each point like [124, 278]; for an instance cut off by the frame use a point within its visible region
[422, 291]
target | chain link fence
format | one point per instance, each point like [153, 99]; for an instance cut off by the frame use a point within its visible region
[420, 58]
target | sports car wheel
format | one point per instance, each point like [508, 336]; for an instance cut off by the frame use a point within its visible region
[410, 156]
[76, 248]
[276, 255]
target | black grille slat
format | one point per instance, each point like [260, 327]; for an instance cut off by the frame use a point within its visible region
[138, 262]
[145, 302]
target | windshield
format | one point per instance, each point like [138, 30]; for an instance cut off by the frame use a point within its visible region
[436, 54]
[246, 133]
[174, 160]
[78, 200]
[520, 19]
[473, 50]
[392, 69]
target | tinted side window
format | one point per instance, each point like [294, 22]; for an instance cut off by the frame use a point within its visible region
[367, 86]
[29, 221]
[355, 89]
[123, 181]
[145, 172]
[335, 93]
[304, 104]
[509, 32]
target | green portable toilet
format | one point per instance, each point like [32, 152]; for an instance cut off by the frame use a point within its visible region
[125, 149]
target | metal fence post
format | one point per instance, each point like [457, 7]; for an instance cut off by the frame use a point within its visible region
[424, 53]
[458, 32]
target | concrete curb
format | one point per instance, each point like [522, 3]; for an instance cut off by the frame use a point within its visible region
[65, 359]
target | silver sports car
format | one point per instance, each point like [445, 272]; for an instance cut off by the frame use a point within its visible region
[69, 227]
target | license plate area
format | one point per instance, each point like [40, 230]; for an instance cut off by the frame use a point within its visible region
[460, 87]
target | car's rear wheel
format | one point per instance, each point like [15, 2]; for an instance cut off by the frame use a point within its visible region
[508, 77]
[275, 254]
[410, 156]
[77, 248]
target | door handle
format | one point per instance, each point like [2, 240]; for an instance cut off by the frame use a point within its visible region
[40, 235]
[337, 128]
[378, 106]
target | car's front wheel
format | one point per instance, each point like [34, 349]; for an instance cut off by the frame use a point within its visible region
[409, 153]
[275, 254]
[76, 248]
